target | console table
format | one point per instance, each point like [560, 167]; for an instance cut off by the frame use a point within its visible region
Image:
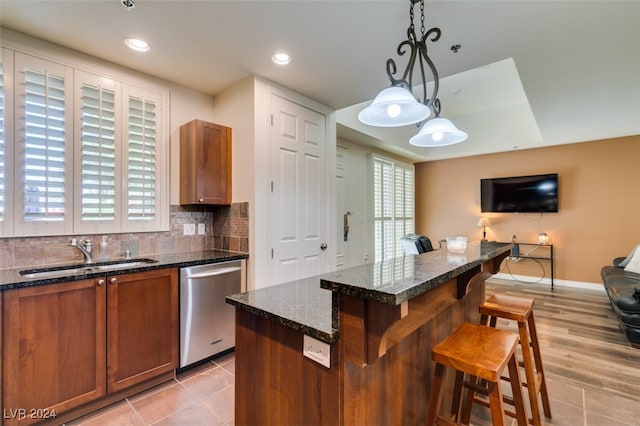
[546, 254]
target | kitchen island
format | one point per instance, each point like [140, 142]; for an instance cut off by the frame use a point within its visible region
[353, 347]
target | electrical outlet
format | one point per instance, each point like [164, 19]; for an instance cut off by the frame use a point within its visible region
[316, 350]
[201, 229]
[189, 229]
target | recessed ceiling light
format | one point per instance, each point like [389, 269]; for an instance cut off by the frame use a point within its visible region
[137, 44]
[281, 58]
[128, 5]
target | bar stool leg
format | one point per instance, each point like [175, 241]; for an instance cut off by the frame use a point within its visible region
[530, 374]
[516, 391]
[538, 358]
[457, 395]
[495, 404]
[436, 389]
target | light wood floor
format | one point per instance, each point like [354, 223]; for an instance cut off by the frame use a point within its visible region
[588, 362]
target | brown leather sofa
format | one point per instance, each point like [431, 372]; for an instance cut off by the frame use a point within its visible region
[623, 289]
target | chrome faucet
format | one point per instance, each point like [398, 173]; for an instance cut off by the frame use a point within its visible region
[85, 248]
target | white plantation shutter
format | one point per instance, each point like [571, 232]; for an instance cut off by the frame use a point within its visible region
[392, 206]
[145, 207]
[97, 159]
[45, 145]
[43, 101]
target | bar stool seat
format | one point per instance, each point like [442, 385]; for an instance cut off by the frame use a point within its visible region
[520, 309]
[482, 352]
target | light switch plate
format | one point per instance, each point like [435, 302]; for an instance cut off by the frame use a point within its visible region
[189, 229]
[316, 350]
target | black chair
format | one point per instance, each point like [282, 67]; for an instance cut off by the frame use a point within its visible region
[422, 243]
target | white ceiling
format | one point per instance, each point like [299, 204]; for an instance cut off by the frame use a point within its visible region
[578, 62]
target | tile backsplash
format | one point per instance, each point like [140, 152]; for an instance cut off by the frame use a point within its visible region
[226, 228]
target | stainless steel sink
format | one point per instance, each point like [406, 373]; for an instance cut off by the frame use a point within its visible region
[83, 269]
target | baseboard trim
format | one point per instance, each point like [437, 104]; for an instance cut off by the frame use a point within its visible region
[556, 282]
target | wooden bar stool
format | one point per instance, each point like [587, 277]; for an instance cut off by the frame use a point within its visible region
[520, 309]
[483, 352]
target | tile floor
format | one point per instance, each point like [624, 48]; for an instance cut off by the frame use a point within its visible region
[203, 395]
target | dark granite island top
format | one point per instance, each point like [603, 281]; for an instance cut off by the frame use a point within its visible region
[306, 305]
[353, 346]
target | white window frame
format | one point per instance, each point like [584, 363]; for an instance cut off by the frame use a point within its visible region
[6, 222]
[76, 72]
[393, 207]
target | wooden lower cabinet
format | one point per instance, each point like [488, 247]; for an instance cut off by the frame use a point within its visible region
[142, 327]
[54, 355]
[67, 346]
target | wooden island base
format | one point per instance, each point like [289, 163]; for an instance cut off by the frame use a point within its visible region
[381, 364]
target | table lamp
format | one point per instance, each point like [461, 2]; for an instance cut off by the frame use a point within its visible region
[543, 238]
[483, 222]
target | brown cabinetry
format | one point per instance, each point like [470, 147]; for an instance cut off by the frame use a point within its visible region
[205, 163]
[71, 344]
[142, 327]
[54, 355]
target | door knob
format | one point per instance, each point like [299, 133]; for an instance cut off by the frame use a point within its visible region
[323, 246]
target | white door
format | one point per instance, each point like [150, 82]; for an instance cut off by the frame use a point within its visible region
[297, 208]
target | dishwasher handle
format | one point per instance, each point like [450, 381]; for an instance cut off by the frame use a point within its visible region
[214, 272]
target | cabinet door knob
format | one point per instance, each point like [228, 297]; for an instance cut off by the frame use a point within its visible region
[101, 281]
[201, 200]
[113, 280]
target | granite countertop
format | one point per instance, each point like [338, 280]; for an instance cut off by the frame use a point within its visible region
[11, 278]
[311, 305]
[403, 278]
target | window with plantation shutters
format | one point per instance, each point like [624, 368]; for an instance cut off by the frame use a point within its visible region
[45, 147]
[91, 152]
[42, 190]
[98, 153]
[393, 208]
[141, 160]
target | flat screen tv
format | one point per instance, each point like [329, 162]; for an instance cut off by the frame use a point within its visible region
[520, 194]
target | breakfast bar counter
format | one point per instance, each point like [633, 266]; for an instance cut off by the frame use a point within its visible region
[353, 346]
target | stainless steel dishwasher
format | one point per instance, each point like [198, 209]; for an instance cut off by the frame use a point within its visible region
[207, 322]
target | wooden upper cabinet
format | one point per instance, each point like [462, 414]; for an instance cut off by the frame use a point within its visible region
[205, 163]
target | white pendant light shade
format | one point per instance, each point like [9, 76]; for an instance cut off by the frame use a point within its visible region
[438, 132]
[393, 107]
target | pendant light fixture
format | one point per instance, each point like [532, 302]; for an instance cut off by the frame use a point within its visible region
[438, 132]
[396, 106]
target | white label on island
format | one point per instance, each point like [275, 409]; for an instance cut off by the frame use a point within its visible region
[316, 350]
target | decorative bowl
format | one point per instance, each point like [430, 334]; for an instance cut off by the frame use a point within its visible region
[456, 244]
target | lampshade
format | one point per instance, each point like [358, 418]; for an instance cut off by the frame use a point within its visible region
[483, 221]
[438, 132]
[393, 107]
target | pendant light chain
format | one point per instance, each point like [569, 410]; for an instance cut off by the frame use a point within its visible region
[422, 29]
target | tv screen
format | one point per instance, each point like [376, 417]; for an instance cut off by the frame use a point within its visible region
[520, 194]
